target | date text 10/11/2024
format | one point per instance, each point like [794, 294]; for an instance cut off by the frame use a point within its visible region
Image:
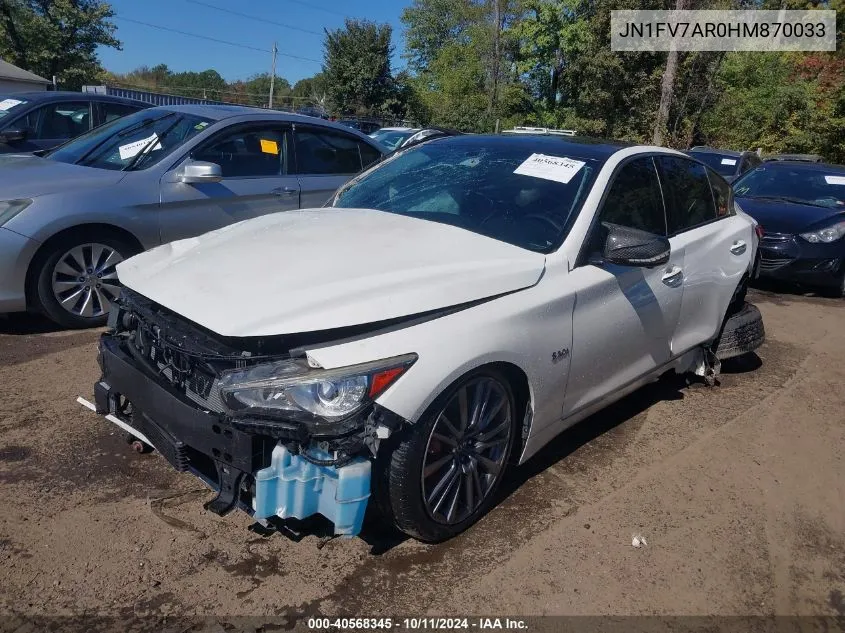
[415, 624]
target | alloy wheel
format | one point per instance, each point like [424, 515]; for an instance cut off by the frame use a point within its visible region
[466, 451]
[85, 280]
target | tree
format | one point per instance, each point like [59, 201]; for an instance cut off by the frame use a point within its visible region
[357, 66]
[258, 89]
[57, 37]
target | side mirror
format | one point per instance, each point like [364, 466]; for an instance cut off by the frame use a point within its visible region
[12, 135]
[197, 171]
[632, 247]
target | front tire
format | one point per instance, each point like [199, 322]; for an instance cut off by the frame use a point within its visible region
[75, 279]
[440, 475]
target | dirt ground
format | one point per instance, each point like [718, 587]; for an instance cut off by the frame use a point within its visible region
[738, 490]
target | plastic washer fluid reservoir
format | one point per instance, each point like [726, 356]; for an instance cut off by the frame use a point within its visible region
[293, 487]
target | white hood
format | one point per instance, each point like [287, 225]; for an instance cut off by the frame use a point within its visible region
[317, 269]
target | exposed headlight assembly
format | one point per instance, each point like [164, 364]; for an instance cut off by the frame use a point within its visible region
[292, 390]
[826, 235]
[10, 208]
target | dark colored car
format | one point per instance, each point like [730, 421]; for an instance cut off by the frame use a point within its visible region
[33, 121]
[801, 207]
[727, 163]
[804, 158]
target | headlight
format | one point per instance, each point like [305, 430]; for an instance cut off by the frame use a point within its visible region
[10, 208]
[292, 390]
[826, 235]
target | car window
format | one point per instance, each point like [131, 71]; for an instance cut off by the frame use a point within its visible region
[722, 194]
[722, 163]
[689, 200]
[112, 111]
[794, 183]
[63, 120]
[480, 185]
[369, 154]
[326, 152]
[634, 198]
[248, 153]
[136, 141]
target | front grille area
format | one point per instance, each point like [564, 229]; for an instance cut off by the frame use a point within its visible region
[183, 357]
[773, 263]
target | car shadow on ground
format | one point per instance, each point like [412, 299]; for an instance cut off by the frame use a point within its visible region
[779, 292]
[383, 538]
[26, 323]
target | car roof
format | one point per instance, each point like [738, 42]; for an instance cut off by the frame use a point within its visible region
[803, 164]
[713, 150]
[221, 112]
[399, 129]
[580, 146]
[44, 96]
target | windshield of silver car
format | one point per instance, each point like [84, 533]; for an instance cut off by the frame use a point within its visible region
[137, 141]
[499, 189]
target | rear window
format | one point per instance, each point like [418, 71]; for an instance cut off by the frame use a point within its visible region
[723, 164]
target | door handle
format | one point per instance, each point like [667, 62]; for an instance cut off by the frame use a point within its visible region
[673, 276]
[738, 247]
[285, 191]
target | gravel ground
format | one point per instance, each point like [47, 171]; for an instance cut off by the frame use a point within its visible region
[738, 490]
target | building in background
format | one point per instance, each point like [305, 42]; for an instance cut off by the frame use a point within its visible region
[14, 79]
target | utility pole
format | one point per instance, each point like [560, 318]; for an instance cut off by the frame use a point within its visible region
[273, 74]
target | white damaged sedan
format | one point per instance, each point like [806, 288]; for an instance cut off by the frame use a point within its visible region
[450, 312]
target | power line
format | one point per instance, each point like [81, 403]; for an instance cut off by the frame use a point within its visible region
[214, 39]
[314, 6]
[253, 17]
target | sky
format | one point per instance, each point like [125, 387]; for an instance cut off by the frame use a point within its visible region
[144, 45]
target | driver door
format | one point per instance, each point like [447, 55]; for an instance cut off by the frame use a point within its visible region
[254, 160]
[625, 317]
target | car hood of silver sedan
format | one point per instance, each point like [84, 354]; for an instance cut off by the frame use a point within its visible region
[28, 176]
[320, 269]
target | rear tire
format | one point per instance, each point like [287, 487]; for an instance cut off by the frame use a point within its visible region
[467, 466]
[742, 333]
[74, 279]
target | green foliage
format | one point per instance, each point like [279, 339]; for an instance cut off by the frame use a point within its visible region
[57, 37]
[357, 66]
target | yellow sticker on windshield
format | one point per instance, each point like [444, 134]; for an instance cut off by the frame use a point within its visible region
[269, 147]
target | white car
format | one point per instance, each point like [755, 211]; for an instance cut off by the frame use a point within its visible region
[454, 309]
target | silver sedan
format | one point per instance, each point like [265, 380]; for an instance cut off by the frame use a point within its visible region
[163, 174]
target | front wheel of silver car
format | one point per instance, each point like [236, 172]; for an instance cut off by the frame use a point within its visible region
[76, 281]
[441, 474]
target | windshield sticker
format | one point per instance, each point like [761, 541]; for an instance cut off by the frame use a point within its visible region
[201, 125]
[835, 180]
[8, 104]
[269, 147]
[729, 161]
[554, 168]
[131, 150]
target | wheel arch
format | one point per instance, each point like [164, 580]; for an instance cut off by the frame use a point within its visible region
[92, 228]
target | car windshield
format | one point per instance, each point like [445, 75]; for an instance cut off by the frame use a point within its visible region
[137, 141]
[798, 184]
[392, 139]
[477, 185]
[722, 164]
[10, 105]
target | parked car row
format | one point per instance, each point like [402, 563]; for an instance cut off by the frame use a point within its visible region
[428, 309]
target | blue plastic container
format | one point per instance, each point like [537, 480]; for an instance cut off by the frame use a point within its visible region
[294, 487]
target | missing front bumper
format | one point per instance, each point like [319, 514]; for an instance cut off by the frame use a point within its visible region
[253, 472]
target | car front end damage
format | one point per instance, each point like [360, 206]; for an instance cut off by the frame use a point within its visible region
[255, 418]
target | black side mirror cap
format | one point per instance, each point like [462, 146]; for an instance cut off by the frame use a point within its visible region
[633, 247]
[12, 135]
